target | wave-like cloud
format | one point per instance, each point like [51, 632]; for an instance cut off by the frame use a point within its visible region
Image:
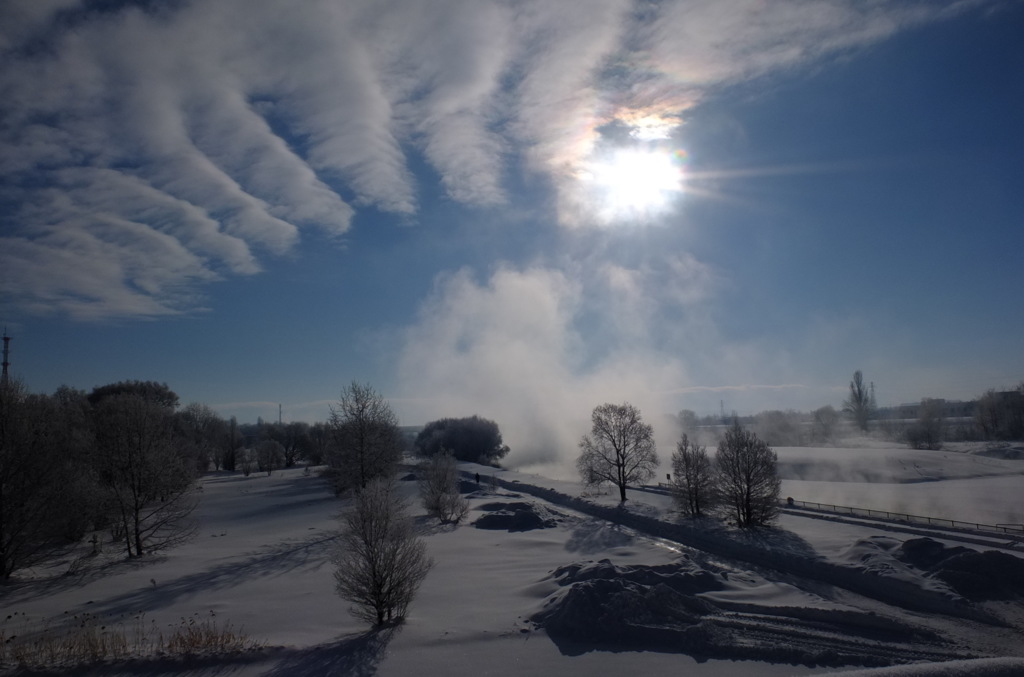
[199, 136]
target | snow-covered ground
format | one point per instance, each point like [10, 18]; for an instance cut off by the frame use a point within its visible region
[586, 594]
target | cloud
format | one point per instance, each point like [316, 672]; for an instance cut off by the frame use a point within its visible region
[271, 121]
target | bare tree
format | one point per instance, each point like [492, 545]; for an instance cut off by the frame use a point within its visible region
[319, 440]
[269, 456]
[860, 403]
[292, 437]
[824, 424]
[367, 441]
[930, 428]
[246, 460]
[694, 478]
[147, 482]
[748, 477]
[1000, 414]
[619, 449]
[380, 563]
[439, 488]
[31, 477]
[201, 428]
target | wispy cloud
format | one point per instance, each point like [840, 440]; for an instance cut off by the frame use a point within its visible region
[233, 127]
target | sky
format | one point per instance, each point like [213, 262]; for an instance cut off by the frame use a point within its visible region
[514, 208]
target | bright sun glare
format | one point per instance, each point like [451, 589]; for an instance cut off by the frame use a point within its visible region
[632, 183]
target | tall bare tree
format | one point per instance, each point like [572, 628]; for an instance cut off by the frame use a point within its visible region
[367, 440]
[694, 482]
[860, 403]
[379, 561]
[619, 449]
[748, 477]
[147, 481]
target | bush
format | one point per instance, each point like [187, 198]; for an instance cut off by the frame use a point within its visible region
[928, 431]
[439, 487]
[472, 439]
[379, 562]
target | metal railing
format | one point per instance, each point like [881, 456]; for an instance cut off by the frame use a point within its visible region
[1012, 529]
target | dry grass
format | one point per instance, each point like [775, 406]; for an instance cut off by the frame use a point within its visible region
[87, 638]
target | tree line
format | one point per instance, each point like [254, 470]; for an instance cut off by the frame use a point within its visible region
[119, 458]
[997, 415]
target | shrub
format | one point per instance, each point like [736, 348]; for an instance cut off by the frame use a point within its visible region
[439, 487]
[472, 439]
[379, 562]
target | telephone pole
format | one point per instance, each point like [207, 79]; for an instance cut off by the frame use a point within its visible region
[7, 356]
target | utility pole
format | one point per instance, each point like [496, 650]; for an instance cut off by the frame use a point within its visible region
[7, 360]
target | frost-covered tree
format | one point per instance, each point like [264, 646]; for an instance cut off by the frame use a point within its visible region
[473, 439]
[1000, 414]
[379, 563]
[694, 480]
[146, 481]
[366, 440]
[748, 477]
[860, 403]
[439, 488]
[201, 430]
[929, 429]
[824, 423]
[619, 449]
[31, 477]
[269, 456]
[318, 443]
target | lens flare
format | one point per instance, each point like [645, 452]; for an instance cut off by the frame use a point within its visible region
[635, 183]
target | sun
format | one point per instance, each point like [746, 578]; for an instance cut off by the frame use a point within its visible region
[634, 184]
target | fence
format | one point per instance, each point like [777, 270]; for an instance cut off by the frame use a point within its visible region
[1014, 529]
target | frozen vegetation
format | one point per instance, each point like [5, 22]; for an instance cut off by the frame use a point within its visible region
[539, 579]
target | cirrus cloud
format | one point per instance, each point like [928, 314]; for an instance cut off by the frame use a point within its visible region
[233, 128]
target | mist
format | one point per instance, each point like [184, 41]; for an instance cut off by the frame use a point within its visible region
[528, 349]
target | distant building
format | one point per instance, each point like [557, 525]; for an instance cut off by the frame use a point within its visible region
[949, 409]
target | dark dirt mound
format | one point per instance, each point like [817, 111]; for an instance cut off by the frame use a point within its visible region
[506, 506]
[601, 606]
[685, 578]
[926, 553]
[514, 516]
[623, 613]
[987, 575]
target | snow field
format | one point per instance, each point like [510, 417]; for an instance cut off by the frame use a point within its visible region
[261, 561]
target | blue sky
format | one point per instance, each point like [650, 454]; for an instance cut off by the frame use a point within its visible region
[514, 208]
